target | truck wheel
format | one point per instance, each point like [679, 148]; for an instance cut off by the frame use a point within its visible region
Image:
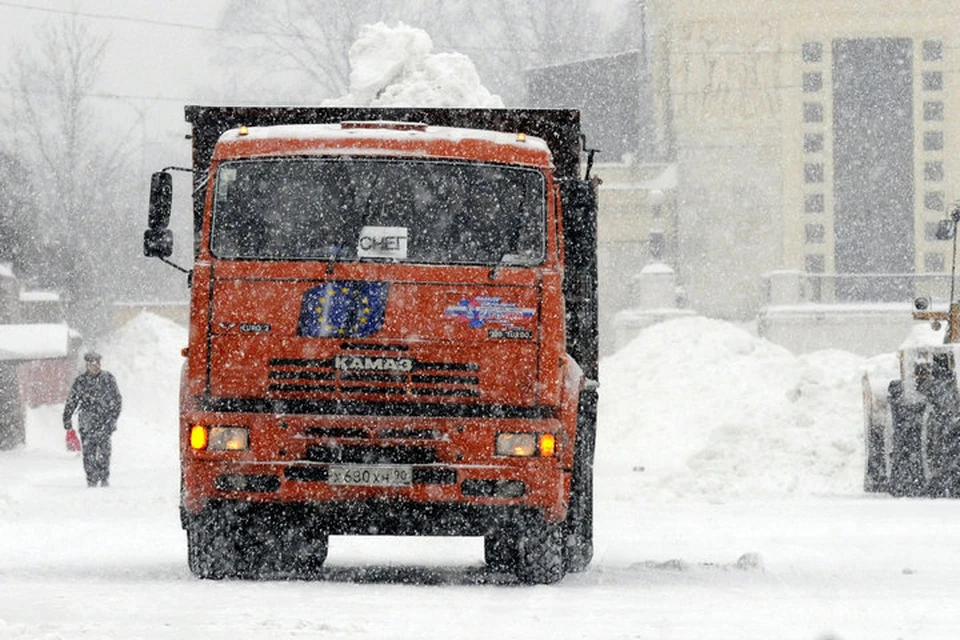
[204, 553]
[875, 470]
[906, 456]
[932, 455]
[303, 552]
[951, 470]
[540, 554]
[221, 545]
[499, 552]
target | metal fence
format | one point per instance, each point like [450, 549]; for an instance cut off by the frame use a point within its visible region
[795, 287]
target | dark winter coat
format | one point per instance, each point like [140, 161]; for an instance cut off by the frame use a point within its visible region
[98, 398]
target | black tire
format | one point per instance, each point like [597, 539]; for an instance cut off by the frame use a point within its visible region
[950, 479]
[940, 430]
[540, 554]
[875, 468]
[906, 455]
[932, 454]
[302, 552]
[500, 552]
[251, 544]
[205, 553]
[221, 545]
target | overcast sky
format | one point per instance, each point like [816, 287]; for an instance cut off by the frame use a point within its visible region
[156, 60]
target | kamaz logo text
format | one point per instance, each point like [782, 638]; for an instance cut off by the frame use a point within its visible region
[366, 363]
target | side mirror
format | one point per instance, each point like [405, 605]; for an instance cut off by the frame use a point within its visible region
[946, 229]
[158, 243]
[161, 200]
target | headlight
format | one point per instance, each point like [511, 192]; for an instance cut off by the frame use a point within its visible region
[516, 444]
[220, 438]
[229, 438]
[525, 444]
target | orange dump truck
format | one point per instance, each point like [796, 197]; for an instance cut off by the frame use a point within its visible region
[393, 330]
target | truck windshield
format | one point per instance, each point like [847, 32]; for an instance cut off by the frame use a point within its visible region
[423, 211]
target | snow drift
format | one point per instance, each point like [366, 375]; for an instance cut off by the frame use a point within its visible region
[699, 408]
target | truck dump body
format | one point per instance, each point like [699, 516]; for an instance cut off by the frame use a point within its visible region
[382, 336]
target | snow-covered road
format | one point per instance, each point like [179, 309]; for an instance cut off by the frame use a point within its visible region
[110, 563]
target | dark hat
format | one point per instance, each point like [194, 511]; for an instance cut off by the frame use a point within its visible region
[91, 356]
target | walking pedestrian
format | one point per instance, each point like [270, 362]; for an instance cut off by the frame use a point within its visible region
[96, 394]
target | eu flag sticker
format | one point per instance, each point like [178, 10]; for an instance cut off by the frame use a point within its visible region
[343, 309]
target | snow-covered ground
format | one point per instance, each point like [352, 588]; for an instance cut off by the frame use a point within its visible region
[729, 506]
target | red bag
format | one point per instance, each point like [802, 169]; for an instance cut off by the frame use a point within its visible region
[73, 440]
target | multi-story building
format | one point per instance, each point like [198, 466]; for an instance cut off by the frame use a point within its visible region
[811, 137]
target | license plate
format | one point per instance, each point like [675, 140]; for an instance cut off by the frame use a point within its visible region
[371, 475]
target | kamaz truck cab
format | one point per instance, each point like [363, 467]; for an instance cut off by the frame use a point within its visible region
[392, 331]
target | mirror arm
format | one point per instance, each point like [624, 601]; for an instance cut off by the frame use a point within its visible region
[174, 265]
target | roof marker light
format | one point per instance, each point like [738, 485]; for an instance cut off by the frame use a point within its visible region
[244, 130]
[521, 137]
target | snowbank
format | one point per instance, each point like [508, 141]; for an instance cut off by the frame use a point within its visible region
[698, 408]
[145, 356]
[394, 67]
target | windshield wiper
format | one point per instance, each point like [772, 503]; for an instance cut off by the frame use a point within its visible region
[334, 258]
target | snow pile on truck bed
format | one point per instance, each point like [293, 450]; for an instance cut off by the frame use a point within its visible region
[699, 408]
[394, 67]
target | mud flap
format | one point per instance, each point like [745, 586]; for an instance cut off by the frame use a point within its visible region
[578, 527]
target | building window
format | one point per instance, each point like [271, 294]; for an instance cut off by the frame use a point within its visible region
[815, 233]
[933, 263]
[815, 263]
[932, 81]
[812, 82]
[930, 231]
[933, 171]
[933, 140]
[933, 201]
[812, 51]
[813, 203]
[932, 50]
[813, 142]
[933, 110]
[813, 172]
[812, 112]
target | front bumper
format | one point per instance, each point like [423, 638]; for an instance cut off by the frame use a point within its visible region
[458, 486]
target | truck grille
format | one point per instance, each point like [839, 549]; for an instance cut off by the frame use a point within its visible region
[363, 371]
